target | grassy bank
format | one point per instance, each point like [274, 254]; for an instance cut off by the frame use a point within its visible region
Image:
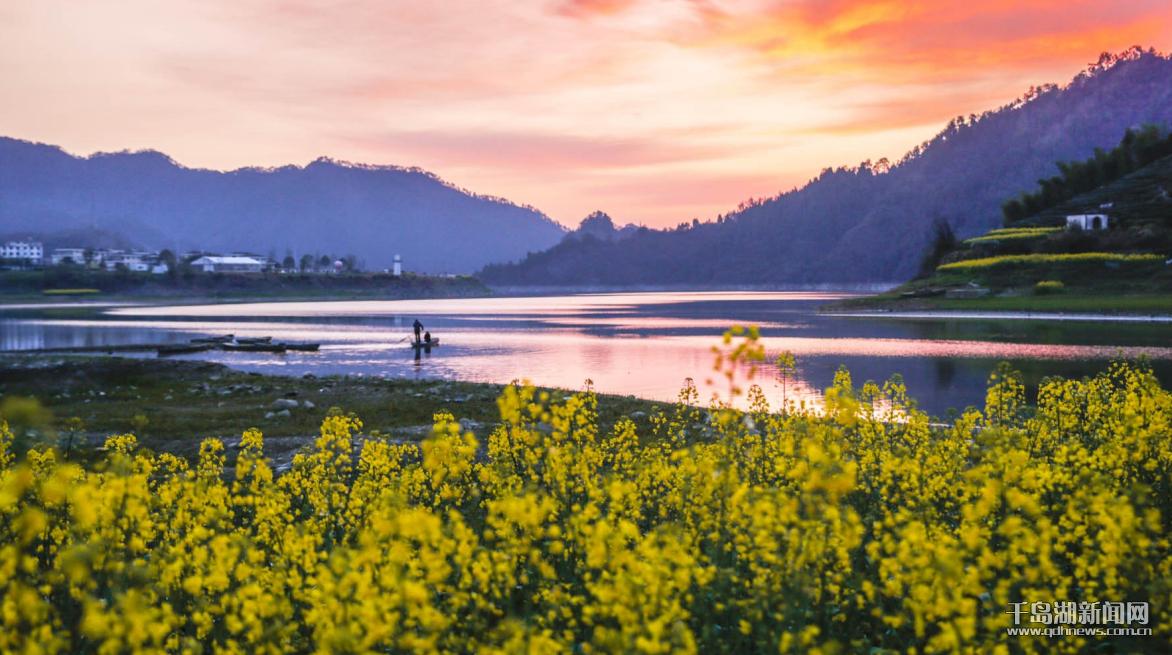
[171, 404]
[1069, 301]
[1084, 287]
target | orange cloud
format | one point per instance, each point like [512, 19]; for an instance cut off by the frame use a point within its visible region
[920, 41]
[868, 116]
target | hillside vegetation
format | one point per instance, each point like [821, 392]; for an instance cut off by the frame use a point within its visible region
[873, 222]
[1039, 255]
[1138, 149]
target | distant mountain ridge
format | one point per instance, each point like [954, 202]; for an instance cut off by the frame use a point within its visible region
[599, 225]
[327, 206]
[873, 222]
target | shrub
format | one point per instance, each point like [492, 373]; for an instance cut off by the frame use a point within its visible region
[70, 292]
[1046, 287]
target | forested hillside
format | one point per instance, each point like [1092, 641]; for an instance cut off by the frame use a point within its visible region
[874, 222]
[1138, 149]
[1120, 264]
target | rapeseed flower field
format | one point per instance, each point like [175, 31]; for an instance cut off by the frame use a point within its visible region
[1014, 234]
[1051, 259]
[859, 527]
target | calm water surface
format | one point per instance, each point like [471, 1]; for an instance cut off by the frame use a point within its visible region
[644, 344]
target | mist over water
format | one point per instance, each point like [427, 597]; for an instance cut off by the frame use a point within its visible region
[643, 344]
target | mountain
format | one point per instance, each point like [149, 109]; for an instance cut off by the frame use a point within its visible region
[873, 222]
[600, 225]
[1115, 260]
[326, 207]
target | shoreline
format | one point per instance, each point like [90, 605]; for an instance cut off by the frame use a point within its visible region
[112, 300]
[117, 299]
[949, 314]
[184, 401]
[1093, 304]
[522, 291]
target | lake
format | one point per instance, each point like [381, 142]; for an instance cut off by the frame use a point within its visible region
[642, 344]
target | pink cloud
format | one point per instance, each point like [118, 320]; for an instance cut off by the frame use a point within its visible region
[585, 8]
[528, 151]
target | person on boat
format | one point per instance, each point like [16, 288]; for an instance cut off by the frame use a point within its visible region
[418, 330]
[427, 338]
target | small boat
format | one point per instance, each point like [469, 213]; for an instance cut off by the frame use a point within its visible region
[302, 347]
[251, 340]
[259, 347]
[213, 340]
[183, 348]
[425, 344]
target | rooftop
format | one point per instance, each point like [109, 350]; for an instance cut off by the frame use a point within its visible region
[230, 260]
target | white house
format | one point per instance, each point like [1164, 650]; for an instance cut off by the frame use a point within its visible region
[131, 261]
[99, 256]
[397, 271]
[67, 255]
[1087, 221]
[233, 264]
[30, 252]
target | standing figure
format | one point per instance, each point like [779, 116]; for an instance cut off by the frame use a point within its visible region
[418, 330]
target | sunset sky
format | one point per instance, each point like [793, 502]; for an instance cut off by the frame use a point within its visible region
[655, 111]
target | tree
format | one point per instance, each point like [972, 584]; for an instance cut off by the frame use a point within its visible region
[943, 241]
[1136, 150]
[324, 262]
[306, 263]
[167, 257]
[288, 263]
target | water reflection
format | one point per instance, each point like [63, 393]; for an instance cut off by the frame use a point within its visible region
[641, 344]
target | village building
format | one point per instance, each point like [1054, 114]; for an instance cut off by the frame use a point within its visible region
[61, 256]
[1087, 221]
[137, 262]
[25, 252]
[100, 255]
[229, 264]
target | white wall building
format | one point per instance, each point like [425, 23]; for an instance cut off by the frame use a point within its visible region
[101, 255]
[232, 264]
[67, 255]
[131, 261]
[1087, 221]
[397, 271]
[31, 252]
